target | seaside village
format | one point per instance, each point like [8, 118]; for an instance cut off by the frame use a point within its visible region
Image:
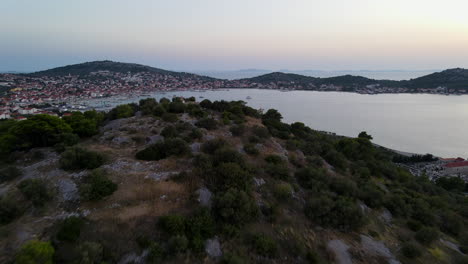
[440, 167]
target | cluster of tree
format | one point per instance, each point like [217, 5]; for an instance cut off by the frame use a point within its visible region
[414, 158]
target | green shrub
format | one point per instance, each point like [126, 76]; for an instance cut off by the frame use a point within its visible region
[312, 178]
[237, 130]
[164, 149]
[283, 191]
[251, 149]
[35, 190]
[91, 252]
[203, 162]
[230, 258]
[278, 171]
[274, 159]
[176, 107]
[261, 132]
[410, 250]
[207, 123]
[169, 132]
[169, 117]
[9, 173]
[70, 229]
[155, 254]
[173, 224]
[235, 207]
[211, 146]
[121, 111]
[371, 195]
[97, 186]
[264, 245]
[426, 235]
[226, 155]
[196, 133]
[414, 225]
[35, 252]
[76, 158]
[178, 244]
[343, 186]
[451, 223]
[9, 210]
[229, 175]
[342, 214]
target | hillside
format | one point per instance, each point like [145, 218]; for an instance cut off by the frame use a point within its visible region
[214, 182]
[452, 79]
[86, 68]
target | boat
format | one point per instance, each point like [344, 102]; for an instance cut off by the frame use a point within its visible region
[248, 98]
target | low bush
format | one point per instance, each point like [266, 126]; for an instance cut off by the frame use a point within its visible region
[207, 123]
[411, 250]
[173, 224]
[178, 244]
[342, 214]
[283, 191]
[35, 190]
[229, 175]
[312, 178]
[211, 146]
[169, 132]
[155, 253]
[164, 149]
[169, 117]
[274, 159]
[237, 130]
[261, 132]
[9, 173]
[235, 207]
[251, 149]
[35, 251]
[70, 229]
[76, 158]
[278, 171]
[426, 235]
[9, 210]
[264, 245]
[97, 186]
[225, 155]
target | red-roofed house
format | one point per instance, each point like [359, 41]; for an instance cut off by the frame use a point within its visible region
[456, 167]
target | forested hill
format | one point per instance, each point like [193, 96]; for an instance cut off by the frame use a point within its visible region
[176, 181]
[451, 79]
[87, 68]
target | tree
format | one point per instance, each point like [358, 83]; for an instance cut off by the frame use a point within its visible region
[36, 252]
[35, 190]
[81, 125]
[121, 111]
[70, 229]
[39, 131]
[272, 114]
[235, 207]
[364, 134]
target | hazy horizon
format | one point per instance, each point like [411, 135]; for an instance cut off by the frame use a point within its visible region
[229, 35]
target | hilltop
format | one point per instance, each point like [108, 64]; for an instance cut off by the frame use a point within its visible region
[83, 69]
[214, 182]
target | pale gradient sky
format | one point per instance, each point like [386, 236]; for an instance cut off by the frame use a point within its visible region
[236, 34]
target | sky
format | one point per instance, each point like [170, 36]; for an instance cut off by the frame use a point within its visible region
[236, 34]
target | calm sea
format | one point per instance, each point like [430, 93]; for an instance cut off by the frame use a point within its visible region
[417, 123]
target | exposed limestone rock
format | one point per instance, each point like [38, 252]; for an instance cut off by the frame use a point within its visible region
[213, 248]
[204, 196]
[340, 250]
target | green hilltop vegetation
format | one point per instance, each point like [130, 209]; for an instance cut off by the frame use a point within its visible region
[177, 181]
[84, 69]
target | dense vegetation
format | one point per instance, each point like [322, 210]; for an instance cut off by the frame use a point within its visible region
[278, 191]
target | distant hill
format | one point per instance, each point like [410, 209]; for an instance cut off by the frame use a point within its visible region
[452, 78]
[86, 68]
